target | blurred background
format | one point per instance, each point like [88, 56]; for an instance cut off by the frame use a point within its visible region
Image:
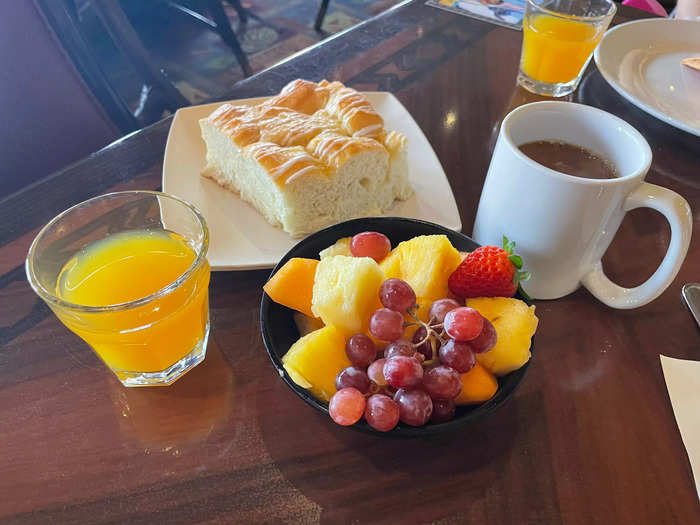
[76, 75]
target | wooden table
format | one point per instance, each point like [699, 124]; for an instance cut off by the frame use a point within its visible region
[589, 436]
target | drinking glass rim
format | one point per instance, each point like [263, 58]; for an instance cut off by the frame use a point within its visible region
[611, 12]
[51, 297]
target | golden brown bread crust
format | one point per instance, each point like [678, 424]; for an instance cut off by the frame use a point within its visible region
[307, 128]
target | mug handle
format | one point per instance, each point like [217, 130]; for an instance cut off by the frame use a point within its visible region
[678, 214]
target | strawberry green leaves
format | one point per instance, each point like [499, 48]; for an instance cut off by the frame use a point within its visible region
[519, 275]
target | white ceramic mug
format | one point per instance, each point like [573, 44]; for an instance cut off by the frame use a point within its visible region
[563, 224]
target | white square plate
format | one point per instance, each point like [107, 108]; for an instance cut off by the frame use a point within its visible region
[240, 238]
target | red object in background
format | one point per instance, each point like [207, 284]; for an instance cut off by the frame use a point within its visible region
[650, 6]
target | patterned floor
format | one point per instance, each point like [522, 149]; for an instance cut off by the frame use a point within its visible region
[287, 27]
[201, 65]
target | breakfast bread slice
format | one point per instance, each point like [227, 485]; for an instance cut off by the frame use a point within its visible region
[314, 155]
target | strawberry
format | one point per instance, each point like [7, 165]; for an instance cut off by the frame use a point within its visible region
[488, 271]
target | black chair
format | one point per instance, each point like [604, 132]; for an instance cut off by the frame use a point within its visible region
[220, 24]
[158, 93]
[321, 15]
[51, 117]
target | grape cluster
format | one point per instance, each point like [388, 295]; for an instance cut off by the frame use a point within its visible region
[413, 381]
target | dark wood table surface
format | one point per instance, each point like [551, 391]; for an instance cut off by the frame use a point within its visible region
[589, 437]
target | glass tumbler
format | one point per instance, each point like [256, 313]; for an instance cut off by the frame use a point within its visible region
[127, 272]
[559, 37]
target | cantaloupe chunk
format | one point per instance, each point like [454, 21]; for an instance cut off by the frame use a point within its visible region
[425, 262]
[292, 285]
[478, 385]
[315, 359]
[515, 323]
[346, 292]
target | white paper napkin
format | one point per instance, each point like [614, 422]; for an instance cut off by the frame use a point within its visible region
[683, 384]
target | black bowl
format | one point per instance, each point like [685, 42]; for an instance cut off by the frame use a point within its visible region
[279, 331]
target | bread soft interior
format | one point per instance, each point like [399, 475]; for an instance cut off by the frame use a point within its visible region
[304, 159]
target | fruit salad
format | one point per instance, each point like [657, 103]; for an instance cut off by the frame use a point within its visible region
[404, 334]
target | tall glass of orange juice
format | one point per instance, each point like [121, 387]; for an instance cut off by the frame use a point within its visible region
[559, 37]
[127, 272]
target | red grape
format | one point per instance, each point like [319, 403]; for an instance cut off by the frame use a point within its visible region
[397, 295]
[443, 410]
[442, 382]
[376, 372]
[352, 376]
[382, 412]
[360, 350]
[400, 347]
[386, 324]
[426, 348]
[486, 340]
[463, 323]
[439, 309]
[403, 372]
[389, 391]
[459, 356]
[415, 406]
[370, 244]
[347, 406]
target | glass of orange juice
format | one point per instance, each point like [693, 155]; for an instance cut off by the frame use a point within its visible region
[127, 272]
[559, 37]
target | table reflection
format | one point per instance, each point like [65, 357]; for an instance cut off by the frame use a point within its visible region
[183, 413]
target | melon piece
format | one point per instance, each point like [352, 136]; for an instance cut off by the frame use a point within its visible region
[315, 359]
[341, 247]
[292, 285]
[425, 262]
[515, 323]
[346, 292]
[478, 385]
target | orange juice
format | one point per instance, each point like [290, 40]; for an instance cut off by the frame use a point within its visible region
[555, 49]
[125, 267]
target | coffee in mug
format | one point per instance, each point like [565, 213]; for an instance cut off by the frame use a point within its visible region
[570, 159]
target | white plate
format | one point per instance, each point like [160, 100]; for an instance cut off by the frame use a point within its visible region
[240, 238]
[642, 61]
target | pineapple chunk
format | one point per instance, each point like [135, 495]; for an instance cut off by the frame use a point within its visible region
[515, 323]
[425, 262]
[346, 292]
[315, 359]
[341, 247]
